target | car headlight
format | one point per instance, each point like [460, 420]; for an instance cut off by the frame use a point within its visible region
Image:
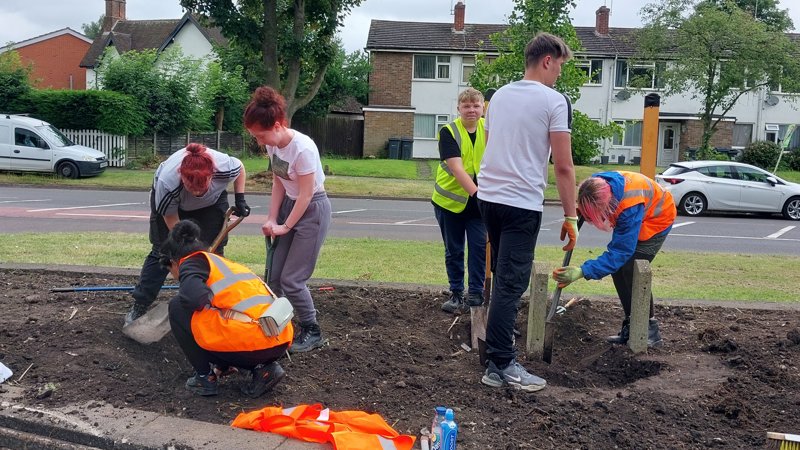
[89, 158]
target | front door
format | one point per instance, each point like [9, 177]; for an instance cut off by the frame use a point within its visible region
[668, 140]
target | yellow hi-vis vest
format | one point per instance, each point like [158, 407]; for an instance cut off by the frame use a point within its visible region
[447, 193]
[238, 294]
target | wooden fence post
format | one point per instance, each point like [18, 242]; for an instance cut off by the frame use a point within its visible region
[537, 308]
[640, 305]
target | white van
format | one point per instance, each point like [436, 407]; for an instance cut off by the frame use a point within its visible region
[32, 145]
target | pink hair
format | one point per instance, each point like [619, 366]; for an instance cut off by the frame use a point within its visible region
[197, 167]
[597, 203]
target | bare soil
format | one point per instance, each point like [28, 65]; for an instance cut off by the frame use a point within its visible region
[725, 377]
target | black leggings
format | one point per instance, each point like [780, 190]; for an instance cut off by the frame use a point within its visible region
[623, 278]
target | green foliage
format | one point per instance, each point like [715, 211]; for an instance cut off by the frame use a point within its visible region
[763, 154]
[586, 135]
[164, 85]
[347, 77]
[718, 54]
[765, 11]
[293, 46]
[792, 160]
[222, 95]
[107, 111]
[14, 84]
[93, 29]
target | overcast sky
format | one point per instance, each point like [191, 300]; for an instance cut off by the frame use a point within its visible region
[24, 19]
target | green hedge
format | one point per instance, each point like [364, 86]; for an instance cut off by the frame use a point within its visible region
[107, 111]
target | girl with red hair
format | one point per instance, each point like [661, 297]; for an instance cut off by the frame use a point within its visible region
[191, 184]
[299, 209]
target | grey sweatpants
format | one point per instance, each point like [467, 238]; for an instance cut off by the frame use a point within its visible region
[296, 254]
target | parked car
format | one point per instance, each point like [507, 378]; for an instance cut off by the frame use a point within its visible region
[33, 145]
[699, 186]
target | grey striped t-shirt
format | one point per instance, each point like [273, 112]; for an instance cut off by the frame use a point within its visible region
[170, 194]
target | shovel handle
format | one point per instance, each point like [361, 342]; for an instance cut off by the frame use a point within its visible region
[226, 228]
[557, 294]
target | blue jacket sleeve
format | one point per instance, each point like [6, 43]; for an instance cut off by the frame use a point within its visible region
[622, 245]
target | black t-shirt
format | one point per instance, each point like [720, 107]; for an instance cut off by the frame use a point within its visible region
[448, 148]
[194, 293]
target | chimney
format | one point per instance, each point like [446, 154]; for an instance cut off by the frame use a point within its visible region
[115, 11]
[601, 22]
[458, 22]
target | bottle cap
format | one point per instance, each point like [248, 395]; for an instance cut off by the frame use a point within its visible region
[449, 415]
[441, 410]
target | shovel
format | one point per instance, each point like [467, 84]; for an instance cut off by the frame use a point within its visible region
[271, 244]
[549, 325]
[154, 324]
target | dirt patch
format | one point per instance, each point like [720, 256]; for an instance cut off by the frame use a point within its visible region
[724, 377]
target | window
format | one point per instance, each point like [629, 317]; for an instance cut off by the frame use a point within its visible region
[432, 67]
[640, 75]
[592, 68]
[742, 134]
[717, 171]
[27, 138]
[748, 174]
[631, 136]
[794, 139]
[427, 125]
[467, 67]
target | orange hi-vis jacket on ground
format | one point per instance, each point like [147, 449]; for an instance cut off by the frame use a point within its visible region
[230, 324]
[346, 430]
[659, 207]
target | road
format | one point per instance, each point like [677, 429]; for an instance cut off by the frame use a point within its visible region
[28, 209]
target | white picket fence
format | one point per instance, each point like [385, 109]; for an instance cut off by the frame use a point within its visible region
[114, 146]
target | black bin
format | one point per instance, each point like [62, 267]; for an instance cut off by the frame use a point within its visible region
[406, 147]
[394, 148]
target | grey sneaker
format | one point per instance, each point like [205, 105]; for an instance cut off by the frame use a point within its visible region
[475, 299]
[265, 377]
[137, 310]
[455, 304]
[513, 375]
[205, 385]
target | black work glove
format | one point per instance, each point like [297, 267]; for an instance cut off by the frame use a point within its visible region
[242, 210]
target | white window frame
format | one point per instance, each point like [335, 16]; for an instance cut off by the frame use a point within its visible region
[441, 61]
[440, 120]
[587, 65]
[623, 134]
[464, 64]
[752, 130]
[652, 66]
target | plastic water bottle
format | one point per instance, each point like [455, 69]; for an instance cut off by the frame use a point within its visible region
[436, 428]
[449, 431]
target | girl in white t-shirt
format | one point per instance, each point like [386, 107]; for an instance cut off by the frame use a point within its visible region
[299, 211]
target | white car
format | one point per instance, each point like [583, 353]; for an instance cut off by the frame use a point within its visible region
[699, 186]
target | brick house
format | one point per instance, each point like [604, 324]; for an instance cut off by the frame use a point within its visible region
[195, 40]
[419, 68]
[54, 58]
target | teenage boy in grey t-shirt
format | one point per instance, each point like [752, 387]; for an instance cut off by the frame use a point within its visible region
[525, 120]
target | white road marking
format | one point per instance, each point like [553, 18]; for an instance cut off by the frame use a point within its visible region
[405, 222]
[781, 232]
[24, 201]
[734, 237]
[345, 212]
[124, 216]
[84, 207]
[678, 225]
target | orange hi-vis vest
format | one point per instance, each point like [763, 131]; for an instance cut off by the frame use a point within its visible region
[659, 207]
[346, 430]
[230, 324]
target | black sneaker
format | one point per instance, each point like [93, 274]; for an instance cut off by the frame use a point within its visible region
[475, 299]
[265, 377]
[624, 334]
[205, 385]
[137, 310]
[455, 304]
[653, 336]
[309, 338]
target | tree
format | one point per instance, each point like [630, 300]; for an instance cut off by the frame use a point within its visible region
[14, 81]
[528, 18]
[222, 95]
[93, 29]
[764, 11]
[716, 55]
[346, 78]
[292, 38]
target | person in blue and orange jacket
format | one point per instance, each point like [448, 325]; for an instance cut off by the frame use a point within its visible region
[218, 316]
[640, 214]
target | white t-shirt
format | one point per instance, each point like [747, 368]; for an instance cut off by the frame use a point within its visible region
[299, 157]
[520, 118]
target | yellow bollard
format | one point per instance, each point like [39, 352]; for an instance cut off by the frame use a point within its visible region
[650, 135]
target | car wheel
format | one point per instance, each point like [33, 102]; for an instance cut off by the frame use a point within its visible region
[693, 204]
[68, 170]
[791, 210]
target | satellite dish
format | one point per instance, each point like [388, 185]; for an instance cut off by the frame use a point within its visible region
[772, 100]
[623, 95]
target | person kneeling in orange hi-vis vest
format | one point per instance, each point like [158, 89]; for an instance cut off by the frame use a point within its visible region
[224, 316]
[346, 430]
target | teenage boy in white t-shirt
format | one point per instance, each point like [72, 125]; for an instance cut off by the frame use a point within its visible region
[526, 119]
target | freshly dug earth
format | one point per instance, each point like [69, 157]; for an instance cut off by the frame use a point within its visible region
[724, 378]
